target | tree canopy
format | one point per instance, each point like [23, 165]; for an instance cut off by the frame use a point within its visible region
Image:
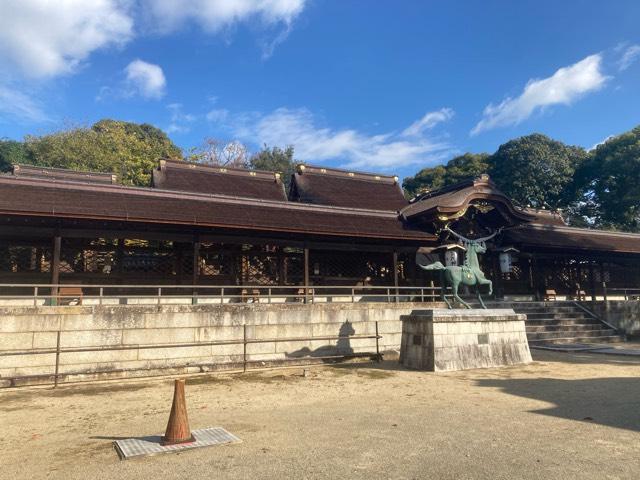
[533, 170]
[129, 150]
[609, 181]
[536, 170]
[275, 159]
[12, 152]
[456, 170]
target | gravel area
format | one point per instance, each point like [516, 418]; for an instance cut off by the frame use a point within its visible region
[567, 415]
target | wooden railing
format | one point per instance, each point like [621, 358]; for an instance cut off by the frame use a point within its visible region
[95, 294]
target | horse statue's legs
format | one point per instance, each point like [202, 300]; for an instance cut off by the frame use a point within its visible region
[454, 287]
[485, 281]
[480, 296]
[445, 299]
[443, 290]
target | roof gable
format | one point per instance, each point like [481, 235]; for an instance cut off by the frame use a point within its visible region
[340, 188]
[216, 180]
[33, 171]
[452, 202]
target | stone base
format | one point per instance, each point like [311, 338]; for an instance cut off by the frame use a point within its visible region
[442, 340]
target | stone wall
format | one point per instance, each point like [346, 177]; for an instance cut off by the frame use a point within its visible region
[147, 328]
[624, 315]
[447, 340]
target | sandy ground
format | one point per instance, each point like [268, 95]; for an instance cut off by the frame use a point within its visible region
[567, 415]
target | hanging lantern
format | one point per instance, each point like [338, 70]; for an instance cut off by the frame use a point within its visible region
[507, 258]
[453, 255]
[451, 258]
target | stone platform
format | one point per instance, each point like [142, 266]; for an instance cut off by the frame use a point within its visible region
[441, 340]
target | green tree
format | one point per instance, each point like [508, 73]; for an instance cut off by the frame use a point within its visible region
[129, 150]
[536, 170]
[610, 183]
[12, 152]
[275, 159]
[465, 166]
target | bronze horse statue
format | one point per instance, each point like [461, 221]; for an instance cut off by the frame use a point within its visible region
[468, 274]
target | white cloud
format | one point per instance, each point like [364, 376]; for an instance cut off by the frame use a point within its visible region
[354, 149]
[48, 38]
[20, 107]
[629, 56]
[430, 120]
[601, 142]
[180, 121]
[218, 115]
[214, 15]
[145, 79]
[563, 87]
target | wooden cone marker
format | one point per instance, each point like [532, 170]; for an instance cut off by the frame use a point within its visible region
[178, 430]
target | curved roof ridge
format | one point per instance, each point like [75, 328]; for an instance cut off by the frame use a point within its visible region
[303, 168]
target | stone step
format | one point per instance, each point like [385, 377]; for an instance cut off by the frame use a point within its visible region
[540, 315]
[604, 332]
[553, 328]
[535, 310]
[562, 321]
[603, 339]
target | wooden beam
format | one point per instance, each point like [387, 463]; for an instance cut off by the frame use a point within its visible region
[119, 256]
[196, 261]
[395, 273]
[55, 268]
[537, 280]
[592, 283]
[306, 275]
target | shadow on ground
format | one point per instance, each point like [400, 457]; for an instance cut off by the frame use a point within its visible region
[612, 401]
[71, 390]
[583, 358]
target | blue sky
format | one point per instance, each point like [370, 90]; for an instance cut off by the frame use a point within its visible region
[390, 86]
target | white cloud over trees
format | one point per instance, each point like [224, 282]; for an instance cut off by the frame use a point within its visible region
[565, 86]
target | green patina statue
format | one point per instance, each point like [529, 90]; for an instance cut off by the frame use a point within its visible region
[468, 274]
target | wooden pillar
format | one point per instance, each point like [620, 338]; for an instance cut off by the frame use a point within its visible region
[195, 275]
[281, 269]
[496, 276]
[537, 285]
[395, 274]
[592, 283]
[119, 268]
[196, 261]
[306, 275]
[177, 262]
[55, 268]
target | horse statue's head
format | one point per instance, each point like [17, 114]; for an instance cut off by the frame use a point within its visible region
[480, 247]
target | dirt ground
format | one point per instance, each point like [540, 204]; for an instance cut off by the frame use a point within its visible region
[568, 415]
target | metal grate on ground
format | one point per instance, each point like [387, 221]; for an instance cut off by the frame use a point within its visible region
[147, 446]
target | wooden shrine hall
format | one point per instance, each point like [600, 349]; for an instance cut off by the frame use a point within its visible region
[205, 225]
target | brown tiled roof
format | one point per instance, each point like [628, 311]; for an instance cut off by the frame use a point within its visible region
[191, 177]
[568, 238]
[46, 198]
[33, 171]
[329, 186]
[453, 200]
[545, 217]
